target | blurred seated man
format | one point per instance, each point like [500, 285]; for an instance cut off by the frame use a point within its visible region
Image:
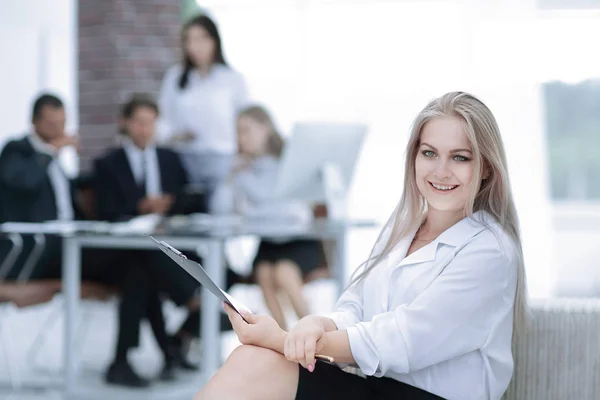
[139, 178]
[35, 189]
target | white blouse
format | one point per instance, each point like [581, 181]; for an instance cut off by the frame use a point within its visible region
[207, 107]
[250, 192]
[440, 319]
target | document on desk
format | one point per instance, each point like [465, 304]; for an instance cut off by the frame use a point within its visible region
[197, 271]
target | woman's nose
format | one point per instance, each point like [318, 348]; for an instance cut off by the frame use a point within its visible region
[442, 172]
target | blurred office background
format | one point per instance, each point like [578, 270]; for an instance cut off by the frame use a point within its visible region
[534, 62]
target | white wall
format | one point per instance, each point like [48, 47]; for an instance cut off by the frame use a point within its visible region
[38, 51]
[380, 62]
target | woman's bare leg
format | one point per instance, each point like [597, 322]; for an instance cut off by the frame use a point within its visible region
[265, 277]
[289, 278]
[252, 373]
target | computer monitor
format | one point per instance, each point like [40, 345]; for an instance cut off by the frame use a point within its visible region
[317, 164]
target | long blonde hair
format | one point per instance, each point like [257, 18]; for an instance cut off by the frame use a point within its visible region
[493, 195]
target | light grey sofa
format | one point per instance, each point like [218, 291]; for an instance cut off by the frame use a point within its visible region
[559, 357]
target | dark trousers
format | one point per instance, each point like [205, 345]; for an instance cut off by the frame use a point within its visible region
[172, 281]
[142, 301]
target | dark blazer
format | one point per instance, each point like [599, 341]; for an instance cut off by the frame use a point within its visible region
[26, 194]
[117, 193]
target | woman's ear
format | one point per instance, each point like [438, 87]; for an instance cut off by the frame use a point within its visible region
[485, 174]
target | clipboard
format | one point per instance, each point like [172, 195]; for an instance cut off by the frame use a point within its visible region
[197, 272]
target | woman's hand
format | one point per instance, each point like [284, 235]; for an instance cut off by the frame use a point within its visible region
[260, 330]
[183, 137]
[304, 341]
[241, 162]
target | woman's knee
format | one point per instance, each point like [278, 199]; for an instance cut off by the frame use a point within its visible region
[265, 276]
[287, 273]
[257, 372]
[264, 362]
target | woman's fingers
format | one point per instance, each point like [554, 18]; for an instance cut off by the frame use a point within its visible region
[286, 346]
[289, 347]
[300, 352]
[292, 350]
[237, 322]
[310, 347]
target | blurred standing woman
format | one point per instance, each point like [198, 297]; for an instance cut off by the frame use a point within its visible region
[199, 102]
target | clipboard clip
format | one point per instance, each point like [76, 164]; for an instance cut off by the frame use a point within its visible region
[169, 247]
[173, 249]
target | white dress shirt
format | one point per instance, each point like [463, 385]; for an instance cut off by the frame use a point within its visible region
[440, 319]
[144, 165]
[207, 107]
[250, 192]
[58, 179]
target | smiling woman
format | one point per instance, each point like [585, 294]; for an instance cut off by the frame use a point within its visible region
[432, 312]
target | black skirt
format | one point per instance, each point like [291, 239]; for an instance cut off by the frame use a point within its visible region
[307, 254]
[328, 381]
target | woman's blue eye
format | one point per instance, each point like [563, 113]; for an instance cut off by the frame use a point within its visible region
[461, 158]
[428, 153]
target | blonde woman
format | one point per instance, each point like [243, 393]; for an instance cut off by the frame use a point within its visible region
[433, 311]
[280, 264]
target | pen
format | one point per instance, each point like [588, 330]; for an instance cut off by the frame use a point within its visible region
[323, 357]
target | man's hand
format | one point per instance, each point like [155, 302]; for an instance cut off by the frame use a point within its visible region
[260, 330]
[156, 204]
[162, 204]
[241, 163]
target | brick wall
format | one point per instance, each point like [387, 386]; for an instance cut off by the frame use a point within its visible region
[125, 46]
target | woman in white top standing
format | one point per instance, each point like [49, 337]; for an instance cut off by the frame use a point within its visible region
[433, 311]
[199, 101]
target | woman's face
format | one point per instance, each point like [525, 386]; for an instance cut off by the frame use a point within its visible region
[252, 136]
[444, 165]
[199, 45]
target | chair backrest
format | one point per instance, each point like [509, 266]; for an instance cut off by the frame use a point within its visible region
[12, 257]
[39, 243]
[559, 357]
[15, 242]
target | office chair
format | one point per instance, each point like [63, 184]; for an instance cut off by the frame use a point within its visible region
[23, 276]
[5, 268]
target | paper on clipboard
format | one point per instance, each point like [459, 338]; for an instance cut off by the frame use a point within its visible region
[197, 271]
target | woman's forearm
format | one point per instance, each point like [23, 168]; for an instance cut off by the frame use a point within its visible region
[337, 345]
[328, 324]
[278, 342]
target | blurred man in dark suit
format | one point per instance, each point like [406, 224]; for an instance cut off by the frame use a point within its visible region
[139, 178]
[34, 188]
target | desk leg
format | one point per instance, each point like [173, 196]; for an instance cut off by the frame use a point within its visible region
[71, 280]
[211, 309]
[340, 262]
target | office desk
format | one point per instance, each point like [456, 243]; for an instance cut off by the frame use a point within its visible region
[190, 237]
